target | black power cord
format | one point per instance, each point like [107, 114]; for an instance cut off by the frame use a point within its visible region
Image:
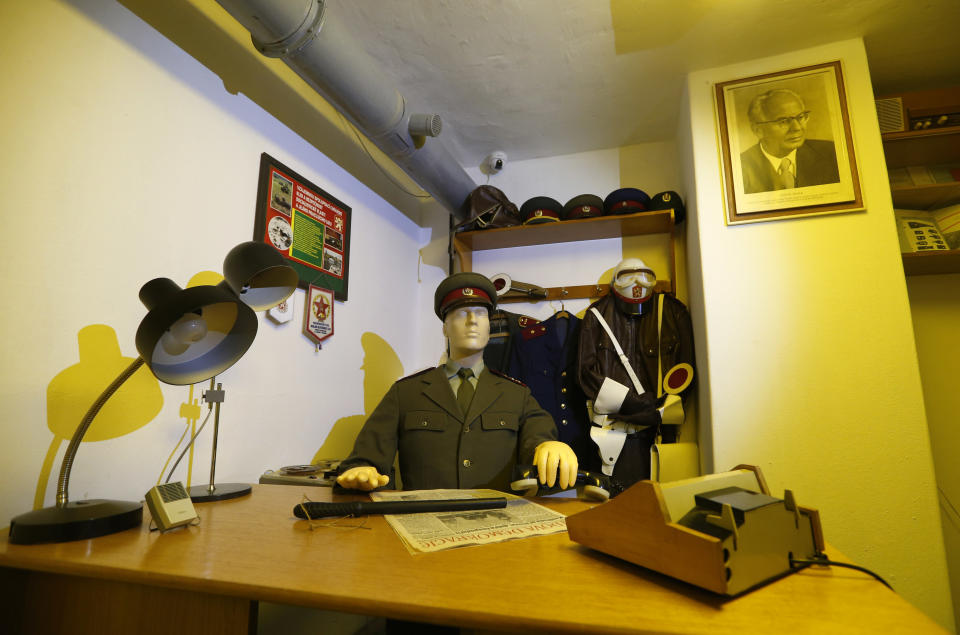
[822, 560]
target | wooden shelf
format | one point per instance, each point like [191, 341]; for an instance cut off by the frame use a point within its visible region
[907, 135]
[933, 196]
[930, 147]
[578, 292]
[568, 231]
[927, 263]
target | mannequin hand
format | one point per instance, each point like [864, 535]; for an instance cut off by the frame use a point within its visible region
[554, 459]
[364, 478]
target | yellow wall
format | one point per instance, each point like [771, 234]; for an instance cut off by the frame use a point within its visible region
[935, 304]
[805, 332]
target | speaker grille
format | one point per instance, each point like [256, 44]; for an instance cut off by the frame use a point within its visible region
[890, 114]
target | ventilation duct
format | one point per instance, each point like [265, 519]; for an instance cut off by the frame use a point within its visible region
[311, 41]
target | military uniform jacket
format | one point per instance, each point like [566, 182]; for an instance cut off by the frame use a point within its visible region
[544, 357]
[505, 328]
[439, 447]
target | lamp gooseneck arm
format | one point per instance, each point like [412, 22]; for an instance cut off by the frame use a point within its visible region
[64, 481]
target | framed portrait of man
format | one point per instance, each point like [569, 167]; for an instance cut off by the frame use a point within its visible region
[786, 145]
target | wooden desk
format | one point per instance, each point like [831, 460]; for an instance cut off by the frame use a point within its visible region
[206, 579]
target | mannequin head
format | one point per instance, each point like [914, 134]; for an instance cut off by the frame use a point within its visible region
[464, 302]
[467, 329]
[632, 285]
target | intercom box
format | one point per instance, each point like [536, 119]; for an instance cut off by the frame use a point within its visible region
[170, 505]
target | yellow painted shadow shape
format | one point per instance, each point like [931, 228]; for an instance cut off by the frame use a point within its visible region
[381, 367]
[72, 391]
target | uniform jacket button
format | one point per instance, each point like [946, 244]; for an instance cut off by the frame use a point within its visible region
[467, 463]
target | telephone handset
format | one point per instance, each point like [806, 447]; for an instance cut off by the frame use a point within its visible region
[589, 485]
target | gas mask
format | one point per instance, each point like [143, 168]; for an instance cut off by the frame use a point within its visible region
[632, 285]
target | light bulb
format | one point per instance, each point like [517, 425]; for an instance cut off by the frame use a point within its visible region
[188, 329]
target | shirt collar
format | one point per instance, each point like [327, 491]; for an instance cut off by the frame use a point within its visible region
[451, 368]
[775, 161]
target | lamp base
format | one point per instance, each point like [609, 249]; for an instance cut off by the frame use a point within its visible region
[75, 521]
[220, 492]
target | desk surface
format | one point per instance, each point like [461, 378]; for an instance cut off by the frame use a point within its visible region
[253, 547]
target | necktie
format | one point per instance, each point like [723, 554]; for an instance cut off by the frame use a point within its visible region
[786, 174]
[465, 391]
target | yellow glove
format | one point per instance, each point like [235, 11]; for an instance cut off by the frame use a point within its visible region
[364, 478]
[555, 459]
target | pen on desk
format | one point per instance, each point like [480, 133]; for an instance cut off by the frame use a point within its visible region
[360, 508]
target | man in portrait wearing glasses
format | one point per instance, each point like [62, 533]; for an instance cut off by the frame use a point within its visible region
[783, 157]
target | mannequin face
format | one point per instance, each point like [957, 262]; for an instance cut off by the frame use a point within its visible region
[468, 330]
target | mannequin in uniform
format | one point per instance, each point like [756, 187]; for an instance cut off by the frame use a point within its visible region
[631, 311]
[460, 425]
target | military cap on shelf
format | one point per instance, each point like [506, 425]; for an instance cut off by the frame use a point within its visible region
[540, 209]
[583, 206]
[669, 200]
[626, 200]
[464, 288]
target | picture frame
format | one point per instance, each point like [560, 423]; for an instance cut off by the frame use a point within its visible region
[307, 225]
[800, 113]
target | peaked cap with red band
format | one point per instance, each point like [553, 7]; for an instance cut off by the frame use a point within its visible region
[464, 288]
[541, 209]
[626, 200]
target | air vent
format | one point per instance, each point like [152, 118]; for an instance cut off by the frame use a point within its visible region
[890, 114]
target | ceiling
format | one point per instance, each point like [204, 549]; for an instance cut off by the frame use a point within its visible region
[535, 78]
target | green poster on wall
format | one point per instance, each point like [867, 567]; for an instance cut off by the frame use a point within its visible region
[310, 227]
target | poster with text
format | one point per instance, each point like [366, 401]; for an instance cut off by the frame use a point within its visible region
[309, 226]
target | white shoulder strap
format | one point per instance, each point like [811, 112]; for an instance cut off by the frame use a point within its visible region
[659, 359]
[616, 347]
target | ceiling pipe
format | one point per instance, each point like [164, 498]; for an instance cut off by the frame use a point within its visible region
[311, 41]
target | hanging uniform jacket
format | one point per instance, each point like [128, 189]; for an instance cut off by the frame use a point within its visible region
[505, 328]
[544, 357]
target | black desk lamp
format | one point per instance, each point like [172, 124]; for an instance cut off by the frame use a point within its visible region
[262, 279]
[188, 336]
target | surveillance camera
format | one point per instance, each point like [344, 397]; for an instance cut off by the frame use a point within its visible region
[494, 162]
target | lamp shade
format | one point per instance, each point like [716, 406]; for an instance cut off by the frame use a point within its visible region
[190, 335]
[259, 275]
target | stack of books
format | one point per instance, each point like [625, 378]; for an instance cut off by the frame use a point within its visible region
[924, 175]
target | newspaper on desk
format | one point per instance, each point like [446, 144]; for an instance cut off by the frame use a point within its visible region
[436, 531]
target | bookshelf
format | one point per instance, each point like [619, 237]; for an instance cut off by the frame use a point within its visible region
[936, 148]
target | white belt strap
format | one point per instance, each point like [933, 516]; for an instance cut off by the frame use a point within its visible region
[616, 347]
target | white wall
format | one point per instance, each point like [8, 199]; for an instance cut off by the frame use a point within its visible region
[124, 160]
[806, 338]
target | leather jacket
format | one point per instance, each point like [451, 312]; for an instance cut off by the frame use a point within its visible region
[637, 336]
